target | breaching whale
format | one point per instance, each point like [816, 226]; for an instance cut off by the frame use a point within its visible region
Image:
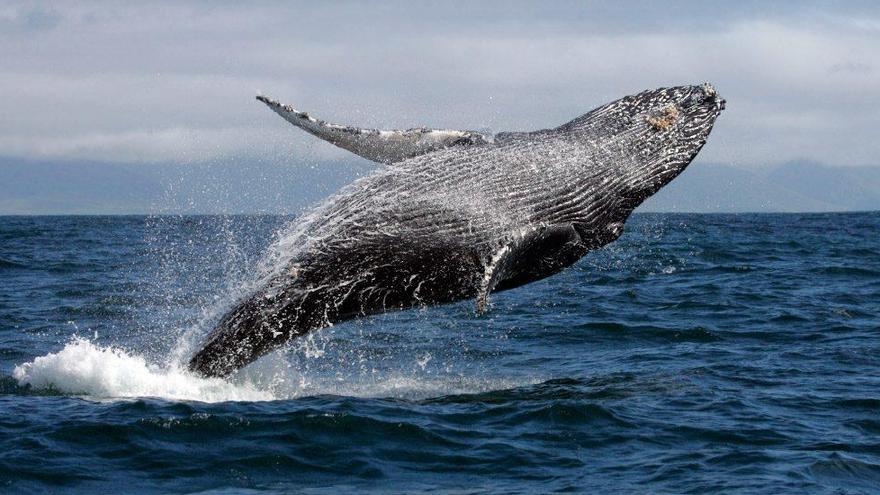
[456, 215]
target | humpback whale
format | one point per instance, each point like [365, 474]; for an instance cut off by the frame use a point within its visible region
[454, 215]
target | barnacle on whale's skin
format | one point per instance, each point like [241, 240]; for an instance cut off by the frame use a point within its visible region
[665, 119]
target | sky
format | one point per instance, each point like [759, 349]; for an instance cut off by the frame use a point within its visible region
[174, 82]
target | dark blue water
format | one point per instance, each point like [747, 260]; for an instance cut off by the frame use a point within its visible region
[698, 354]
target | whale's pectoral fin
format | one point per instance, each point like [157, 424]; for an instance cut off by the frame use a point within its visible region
[531, 256]
[378, 145]
[493, 273]
[540, 253]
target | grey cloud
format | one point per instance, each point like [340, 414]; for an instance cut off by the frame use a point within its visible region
[851, 67]
[28, 19]
[141, 83]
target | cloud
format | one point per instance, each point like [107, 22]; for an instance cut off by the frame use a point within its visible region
[28, 20]
[175, 82]
[173, 145]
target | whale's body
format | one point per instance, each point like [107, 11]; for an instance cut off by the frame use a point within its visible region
[457, 215]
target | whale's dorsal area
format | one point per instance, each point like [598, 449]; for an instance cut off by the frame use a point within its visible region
[383, 146]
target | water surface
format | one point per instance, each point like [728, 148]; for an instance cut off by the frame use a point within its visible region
[697, 354]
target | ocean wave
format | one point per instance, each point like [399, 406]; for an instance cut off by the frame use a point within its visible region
[10, 265]
[840, 469]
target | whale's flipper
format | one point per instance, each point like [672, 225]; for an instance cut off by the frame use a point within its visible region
[495, 269]
[377, 145]
[528, 257]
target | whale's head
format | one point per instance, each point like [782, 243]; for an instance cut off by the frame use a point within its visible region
[667, 128]
[644, 141]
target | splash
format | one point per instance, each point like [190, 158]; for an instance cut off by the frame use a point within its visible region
[82, 368]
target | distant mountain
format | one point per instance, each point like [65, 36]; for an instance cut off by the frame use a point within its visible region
[802, 187]
[239, 186]
[46, 188]
[34, 188]
[846, 188]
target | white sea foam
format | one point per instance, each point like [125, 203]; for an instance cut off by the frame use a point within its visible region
[84, 369]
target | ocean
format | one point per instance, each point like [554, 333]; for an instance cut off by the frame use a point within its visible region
[697, 354]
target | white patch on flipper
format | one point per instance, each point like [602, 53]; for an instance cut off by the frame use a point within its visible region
[490, 278]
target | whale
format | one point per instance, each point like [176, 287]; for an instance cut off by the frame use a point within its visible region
[453, 215]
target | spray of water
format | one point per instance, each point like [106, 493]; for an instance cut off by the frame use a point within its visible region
[200, 266]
